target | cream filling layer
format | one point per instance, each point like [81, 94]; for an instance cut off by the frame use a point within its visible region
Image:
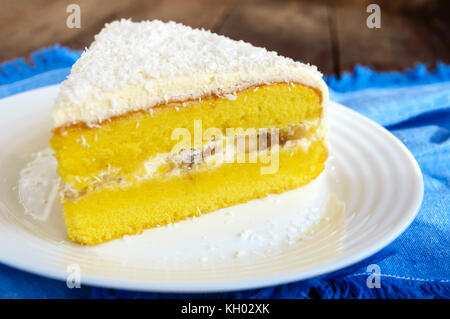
[212, 154]
[218, 152]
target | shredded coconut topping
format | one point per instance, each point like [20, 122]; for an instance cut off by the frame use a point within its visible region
[131, 66]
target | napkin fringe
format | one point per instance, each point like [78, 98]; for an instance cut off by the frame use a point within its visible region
[364, 77]
[352, 287]
[43, 60]
[356, 287]
[57, 56]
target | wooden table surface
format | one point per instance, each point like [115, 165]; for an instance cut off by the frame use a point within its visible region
[331, 34]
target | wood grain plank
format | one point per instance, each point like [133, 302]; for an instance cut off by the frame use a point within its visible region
[295, 29]
[401, 41]
[195, 13]
[29, 25]
[305, 30]
[207, 14]
[438, 20]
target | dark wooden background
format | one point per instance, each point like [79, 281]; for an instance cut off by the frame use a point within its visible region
[331, 34]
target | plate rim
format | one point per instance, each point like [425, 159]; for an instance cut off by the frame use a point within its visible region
[239, 284]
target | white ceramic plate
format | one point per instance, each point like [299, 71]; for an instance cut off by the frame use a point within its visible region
[371, 171]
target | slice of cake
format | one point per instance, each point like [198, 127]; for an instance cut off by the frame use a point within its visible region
[158, 122]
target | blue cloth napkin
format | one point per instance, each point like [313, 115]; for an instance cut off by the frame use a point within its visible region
[414, 105]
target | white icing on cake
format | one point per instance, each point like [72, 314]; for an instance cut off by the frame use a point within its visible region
[132, 66]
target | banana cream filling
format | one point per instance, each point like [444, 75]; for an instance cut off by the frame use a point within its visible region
[240, 148]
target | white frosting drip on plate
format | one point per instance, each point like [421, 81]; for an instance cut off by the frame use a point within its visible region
[131, 66]
[38, 185]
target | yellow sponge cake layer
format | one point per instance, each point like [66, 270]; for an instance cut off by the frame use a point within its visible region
[149, 125]
[112, 212]
[120, 146]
